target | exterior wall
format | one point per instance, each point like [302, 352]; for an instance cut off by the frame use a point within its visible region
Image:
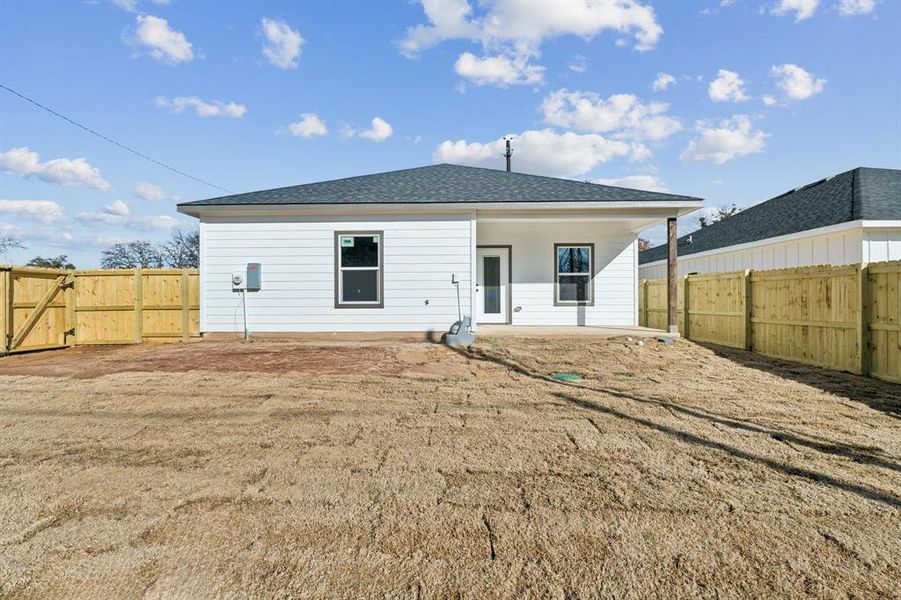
[532, 257]
[837, 248]
[298, 273]
[881, 244]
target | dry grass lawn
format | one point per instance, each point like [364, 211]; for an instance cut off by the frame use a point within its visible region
[410, 470]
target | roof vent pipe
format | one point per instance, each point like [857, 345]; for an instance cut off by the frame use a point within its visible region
[508, 154]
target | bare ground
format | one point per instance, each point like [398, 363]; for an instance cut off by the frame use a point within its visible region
[408, 470]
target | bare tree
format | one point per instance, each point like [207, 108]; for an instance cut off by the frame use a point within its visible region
[9, 243]
[722, 213]
[182, 251]
[54, 262]
[643, 244]
[132, 255]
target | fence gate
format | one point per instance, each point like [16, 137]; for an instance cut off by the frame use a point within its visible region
[36, 303]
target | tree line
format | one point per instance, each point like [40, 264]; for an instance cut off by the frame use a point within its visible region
[180, 251]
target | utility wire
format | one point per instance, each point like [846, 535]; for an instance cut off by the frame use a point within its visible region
[111, 141]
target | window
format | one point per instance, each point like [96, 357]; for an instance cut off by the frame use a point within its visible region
[573, 268]
[358, 269]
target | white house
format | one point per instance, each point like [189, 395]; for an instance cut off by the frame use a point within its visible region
[391, 251]
[849, 218]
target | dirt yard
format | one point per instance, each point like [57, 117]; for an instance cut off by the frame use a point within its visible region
[411, 470]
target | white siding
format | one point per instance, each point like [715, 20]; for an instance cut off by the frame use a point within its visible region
[615, 290]
[839, 248]
[298, 273]
[881, 244]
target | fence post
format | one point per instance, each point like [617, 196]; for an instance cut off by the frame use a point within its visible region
[139, 307]
[647, 303]
[746, 298]
[185, 292]
[685, 306]
[863, 325]
[642, 303]
[6, 303]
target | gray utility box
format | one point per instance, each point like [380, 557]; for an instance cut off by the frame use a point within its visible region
[254, 277]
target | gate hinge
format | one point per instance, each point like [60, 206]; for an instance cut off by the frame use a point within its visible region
[67, 285]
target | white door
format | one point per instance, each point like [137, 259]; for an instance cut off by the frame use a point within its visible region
[492, 281]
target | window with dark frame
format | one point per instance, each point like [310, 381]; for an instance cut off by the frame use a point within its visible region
[573, 274]
[358, 269]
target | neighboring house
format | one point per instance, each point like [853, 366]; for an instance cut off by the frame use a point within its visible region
[849, 218]
[382, 252]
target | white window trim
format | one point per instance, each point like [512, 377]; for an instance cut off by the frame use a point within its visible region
[379, 269]
[589, 274]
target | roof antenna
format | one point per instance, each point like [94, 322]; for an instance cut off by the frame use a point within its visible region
[509, 153]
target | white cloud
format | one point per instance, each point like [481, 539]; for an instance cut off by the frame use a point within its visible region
[663, 81]
[730, 139]
[543, 152]
[126, 5]
[63, 171]
[309, 125]
[148, 191]
[379, 131]
[727, 86]
[803, 9]
[283, 44]
[158, 222]
[578, 64]
[623, 115]
[163, 43]
[115, 213]
[513, 31]
[530, 23]
[796, 83]
[850, 8]
[43, 211]
[498, 70]
[215, 108]
[768, 100]
[637, 182]
[117, 207]
[118, 214]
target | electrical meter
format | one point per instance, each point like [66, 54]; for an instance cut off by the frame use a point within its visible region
[248, 279]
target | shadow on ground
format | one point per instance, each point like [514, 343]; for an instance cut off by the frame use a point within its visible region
[857, 453]
[880, 395]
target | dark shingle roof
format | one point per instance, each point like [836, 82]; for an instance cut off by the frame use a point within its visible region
[863, 193]
[441, 183]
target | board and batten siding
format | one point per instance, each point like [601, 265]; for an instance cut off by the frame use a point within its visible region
[881, 245]
[297, 255]
[837, 248]
[615, 265]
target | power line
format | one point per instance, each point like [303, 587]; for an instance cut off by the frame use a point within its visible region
[112, 141]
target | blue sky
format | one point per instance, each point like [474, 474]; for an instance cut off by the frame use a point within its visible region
[753, 98]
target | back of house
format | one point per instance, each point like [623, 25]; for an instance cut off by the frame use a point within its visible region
[412, 250]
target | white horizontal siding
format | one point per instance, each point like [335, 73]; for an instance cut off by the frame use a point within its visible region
[533, 270]
[839, 248]
[298, 273]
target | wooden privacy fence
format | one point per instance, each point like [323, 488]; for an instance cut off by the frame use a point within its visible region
[50, 308]
[846, 318]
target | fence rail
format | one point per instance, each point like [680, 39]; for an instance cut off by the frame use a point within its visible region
[846, 318]
[52, 308]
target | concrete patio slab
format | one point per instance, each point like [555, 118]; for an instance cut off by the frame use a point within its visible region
[567, 331]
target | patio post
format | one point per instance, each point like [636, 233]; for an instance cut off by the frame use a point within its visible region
[672, 320]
